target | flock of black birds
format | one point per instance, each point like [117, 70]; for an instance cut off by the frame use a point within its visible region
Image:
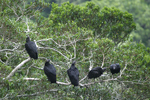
[73, 73]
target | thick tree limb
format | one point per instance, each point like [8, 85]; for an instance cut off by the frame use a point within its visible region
[17, 67]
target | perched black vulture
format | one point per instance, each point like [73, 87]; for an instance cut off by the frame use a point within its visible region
[31, 48]
[73, 74]
[50, 71]
[96, 72]
[115, 68]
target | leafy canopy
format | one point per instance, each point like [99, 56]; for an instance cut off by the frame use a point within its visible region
[107, 22]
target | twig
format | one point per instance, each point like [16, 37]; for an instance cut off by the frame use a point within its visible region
[32, 79]
[7, 50]
[58, 45]
[123, 70]
[74, 48]
[91, 65]
[133, 82]
[83, 78]
[89, 83]
[17, 67]
[103, 61]
[1, 61]
[54, 50]
[62, 83]
[110, 80]
[28, 29]
[37, 68]
[36, 44]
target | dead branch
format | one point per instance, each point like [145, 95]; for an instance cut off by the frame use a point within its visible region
[11, 50]
[103, 61]
[54, 50]
[31, 79]
[123, 70]
[89, 84]
[17, 67]
[83, 78]
[91, 65]
[62, 83]
[37, 68]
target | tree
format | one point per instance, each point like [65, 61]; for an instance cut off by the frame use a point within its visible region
[63, 41]
[140, 11]
[112, 21]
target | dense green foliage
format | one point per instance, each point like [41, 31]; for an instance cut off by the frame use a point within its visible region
[139, 9]
[91, 35]
[115, 23]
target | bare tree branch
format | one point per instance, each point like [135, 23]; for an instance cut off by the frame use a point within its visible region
[7, 50]
[123, 70]
[36, 44]
[28, 29]
[91, 62]
[16, 47]
[83, 78]
[54, 50]
[32, 79]
[2, 61]
[37, 68]
[103, 61]
[17, 67]
[62, 83]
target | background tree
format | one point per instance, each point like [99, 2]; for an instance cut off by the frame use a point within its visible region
[140, 11]
[138, 8]
[64, 39]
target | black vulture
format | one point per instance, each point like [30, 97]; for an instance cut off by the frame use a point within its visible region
[50, 71]
[73, 74]
[115, 68]
[96, 72]
[31, 48]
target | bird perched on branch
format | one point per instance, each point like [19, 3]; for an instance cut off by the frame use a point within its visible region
[31, 48]
[96, 72]
[50, 71]
[115, 68]
[73, 74]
